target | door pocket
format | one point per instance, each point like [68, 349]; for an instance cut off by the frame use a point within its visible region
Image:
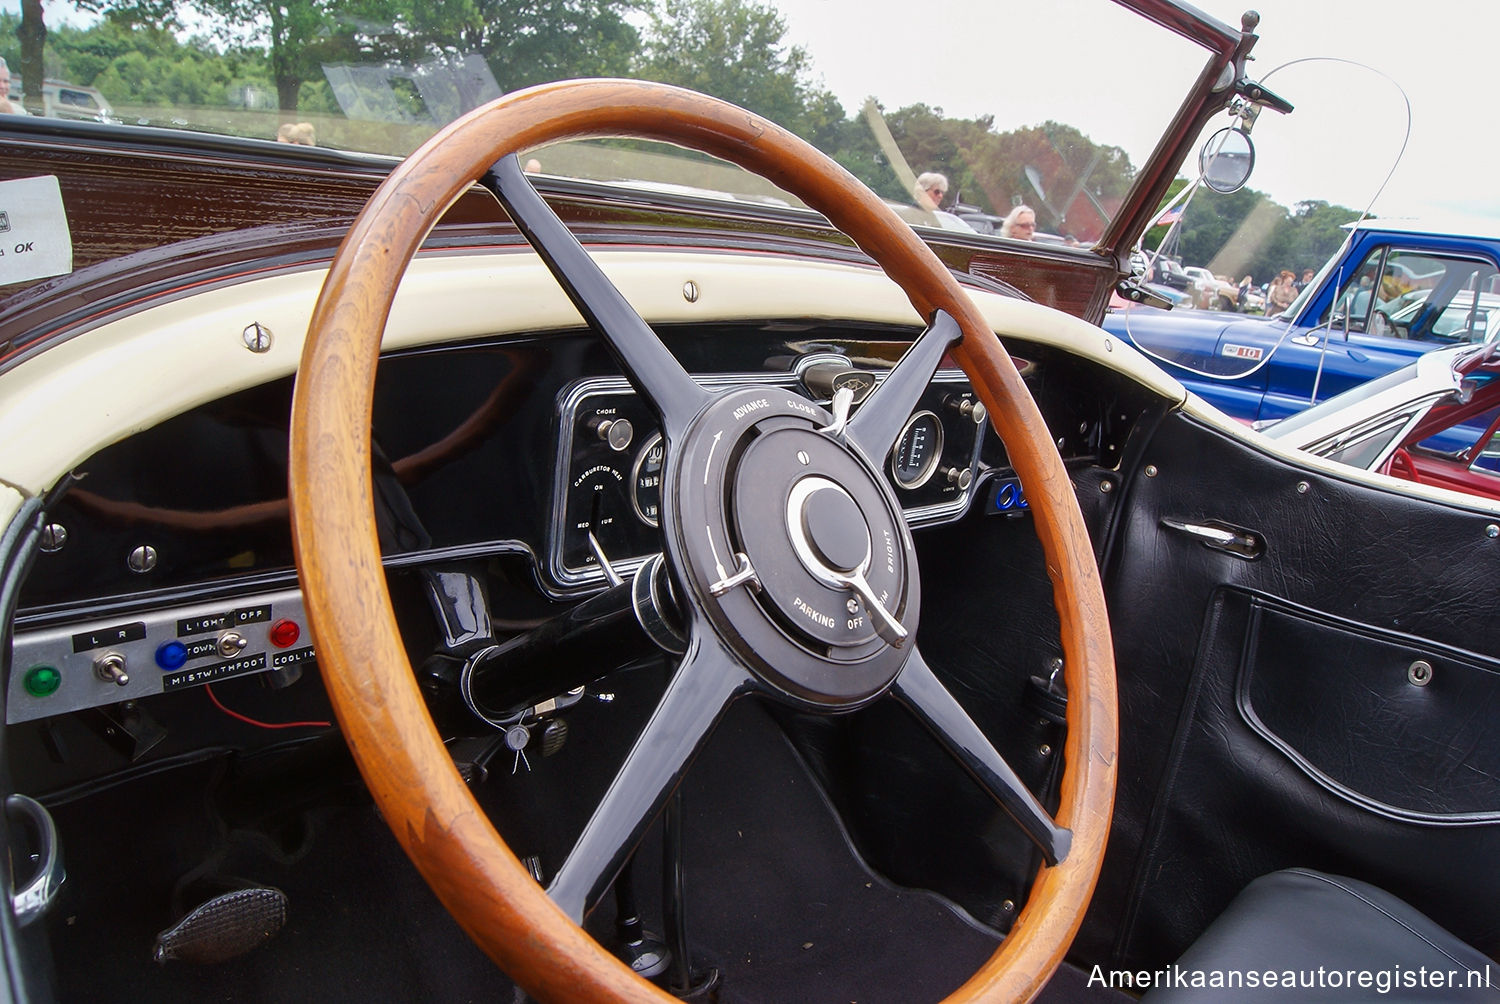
[1398, 726]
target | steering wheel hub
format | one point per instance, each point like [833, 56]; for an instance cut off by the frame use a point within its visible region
[756, 478]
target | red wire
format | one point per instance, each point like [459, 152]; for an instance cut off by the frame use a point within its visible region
[208, 688]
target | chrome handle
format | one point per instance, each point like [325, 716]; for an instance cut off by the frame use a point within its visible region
[1240, 543]
[32, 901]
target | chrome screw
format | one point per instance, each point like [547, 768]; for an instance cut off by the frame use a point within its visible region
[257, 338]
[1106, 486]
[142, 559]
[1151, 471]
[803, 458]
[1492, 531]
[54, 536]
[690, 291]
[1303, 487]
[1419, 673]
[852, 606]
[1044, 749]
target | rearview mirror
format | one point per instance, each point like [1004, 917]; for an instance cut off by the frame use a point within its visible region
[1227, 160]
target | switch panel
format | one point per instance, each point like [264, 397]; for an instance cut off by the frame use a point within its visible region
[78, 666]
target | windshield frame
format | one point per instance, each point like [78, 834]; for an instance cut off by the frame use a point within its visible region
[1222, 77]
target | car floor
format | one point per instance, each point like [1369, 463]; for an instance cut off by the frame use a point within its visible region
[776, 899]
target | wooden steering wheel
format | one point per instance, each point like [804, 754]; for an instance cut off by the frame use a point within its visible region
[828, 516]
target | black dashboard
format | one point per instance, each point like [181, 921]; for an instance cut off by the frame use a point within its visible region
[167, 562]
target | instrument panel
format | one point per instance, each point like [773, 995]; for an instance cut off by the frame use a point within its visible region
[611, 455]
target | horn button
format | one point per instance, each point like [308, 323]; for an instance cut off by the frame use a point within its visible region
[823, 518]
[827, 617]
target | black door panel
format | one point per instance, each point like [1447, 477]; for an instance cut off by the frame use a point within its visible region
[1267, 715]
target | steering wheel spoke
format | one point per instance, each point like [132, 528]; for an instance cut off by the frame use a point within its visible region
[648, 365]
[883, 415]
[708, 680]
[936, 708]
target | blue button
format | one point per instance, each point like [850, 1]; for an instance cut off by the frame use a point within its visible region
[171, 655]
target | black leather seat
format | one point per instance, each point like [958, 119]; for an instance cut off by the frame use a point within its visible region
[1336, 939]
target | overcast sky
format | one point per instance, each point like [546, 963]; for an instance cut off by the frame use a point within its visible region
[1348, 128]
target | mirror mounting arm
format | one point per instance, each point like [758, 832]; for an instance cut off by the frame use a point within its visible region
[1244, 86]
[1263, 96]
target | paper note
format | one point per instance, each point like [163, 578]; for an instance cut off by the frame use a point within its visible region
[34, 238]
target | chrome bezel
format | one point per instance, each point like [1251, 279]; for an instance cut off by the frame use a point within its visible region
[635, 479]
[934, 457]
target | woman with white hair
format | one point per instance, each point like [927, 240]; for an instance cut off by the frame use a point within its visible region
[1019, 224]
[7, 105]
[932, 189]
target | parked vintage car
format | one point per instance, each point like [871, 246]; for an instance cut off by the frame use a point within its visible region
[430, 575]
[1436, 286]
[63, 100]
[1433, 421]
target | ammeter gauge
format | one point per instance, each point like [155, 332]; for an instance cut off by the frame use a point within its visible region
[915, 457]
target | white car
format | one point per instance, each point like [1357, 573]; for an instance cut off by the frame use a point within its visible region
[1211, 292]
[62, 100]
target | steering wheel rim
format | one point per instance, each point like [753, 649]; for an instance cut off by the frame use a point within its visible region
[365, 669]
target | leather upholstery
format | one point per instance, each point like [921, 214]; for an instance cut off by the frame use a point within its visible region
[1326, 757]
[1324, 928]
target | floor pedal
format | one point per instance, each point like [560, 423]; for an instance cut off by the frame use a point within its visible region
[225, 927]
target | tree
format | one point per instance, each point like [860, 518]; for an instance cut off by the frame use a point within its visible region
[737, 50]
[32, 33]
[534, 41]
[300, 36]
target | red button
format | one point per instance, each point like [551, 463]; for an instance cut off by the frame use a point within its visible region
[285, 633]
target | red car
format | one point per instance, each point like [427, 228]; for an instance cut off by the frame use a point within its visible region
[1434, 422]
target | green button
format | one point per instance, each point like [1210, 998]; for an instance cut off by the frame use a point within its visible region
[42, 681]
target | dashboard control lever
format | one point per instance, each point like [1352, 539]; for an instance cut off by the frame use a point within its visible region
[843, 400]
[610, 575]
[886, 625]
[744, 573]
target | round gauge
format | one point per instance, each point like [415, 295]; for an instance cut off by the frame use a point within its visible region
[645, 481]
[915, 457]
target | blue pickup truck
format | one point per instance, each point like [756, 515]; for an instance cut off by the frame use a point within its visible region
[1394, 290]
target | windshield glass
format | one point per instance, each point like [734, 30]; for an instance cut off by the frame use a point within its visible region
[936, 107]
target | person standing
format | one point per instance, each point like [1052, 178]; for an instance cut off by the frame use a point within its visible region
[1283, 291]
